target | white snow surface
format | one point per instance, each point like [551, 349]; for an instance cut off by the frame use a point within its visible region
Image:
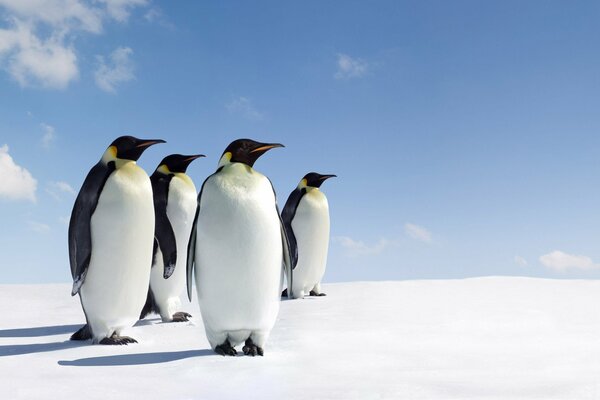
[482, 338]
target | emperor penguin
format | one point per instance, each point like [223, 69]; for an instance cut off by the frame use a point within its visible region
[174, 211]
[111, 235]
[238, 247]
[306, 221]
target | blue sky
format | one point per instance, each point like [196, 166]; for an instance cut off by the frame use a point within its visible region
[465, 134]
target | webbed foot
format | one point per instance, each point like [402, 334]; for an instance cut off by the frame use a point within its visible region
[117, 340]
[250, 349]
[83, 333]
[181, 316]
[225, 349]
[313, 293]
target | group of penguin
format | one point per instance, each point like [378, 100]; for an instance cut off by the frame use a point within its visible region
[129, 235]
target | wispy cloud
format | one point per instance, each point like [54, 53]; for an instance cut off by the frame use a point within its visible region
[562, 262]
[520, 261]
[243, 106]
[116, 71]
[56, 189]
[357, 248]
[38, 227]
[16, 183]
[348, 67]
[37, 45]
[49, 135]
[417, 232]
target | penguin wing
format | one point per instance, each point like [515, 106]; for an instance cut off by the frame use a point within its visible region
[163, 231]
[80, 233]
[191, 254]
[289, 211]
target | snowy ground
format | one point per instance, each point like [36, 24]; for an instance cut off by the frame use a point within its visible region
[487, 338]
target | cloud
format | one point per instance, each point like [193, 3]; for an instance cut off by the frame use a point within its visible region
[119, 70]
[55, 189]
[348, 67]
[562, 262]
[38, 227]
[417, 232]
[16, 182]
[243, 106]
[37, 45]
[520, 261]
[49, 135]
[358, 248]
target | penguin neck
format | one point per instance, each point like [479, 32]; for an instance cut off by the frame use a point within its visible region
[235, 167]
[110, 155]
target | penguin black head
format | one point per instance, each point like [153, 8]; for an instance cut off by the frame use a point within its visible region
[245, 151]
[128, 148]
[313, 179]
[177, 163]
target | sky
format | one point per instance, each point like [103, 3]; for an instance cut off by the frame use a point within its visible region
[464, 134]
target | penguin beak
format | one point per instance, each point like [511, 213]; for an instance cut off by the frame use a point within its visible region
[266, 146]
[147, 143]
[192, 158]
[324, 177]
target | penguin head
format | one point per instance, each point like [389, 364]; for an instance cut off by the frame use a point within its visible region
[245, 151]
[175, 163]
[127, 148]
[313, 179]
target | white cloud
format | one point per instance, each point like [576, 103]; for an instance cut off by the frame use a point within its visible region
[49, 135]
[359, 248]
[520, 261]
[561, 262]
[38, 227]
[16, 183]
[37, 48]
[417, 232]
[118, 70]
[348, 67]
[55, 189]
[243, 105]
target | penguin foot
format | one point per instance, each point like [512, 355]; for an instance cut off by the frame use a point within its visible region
[225, 349]
[284, 293]
[313, 293]
[250, 349]
[83, 333]
[181, 316]
[117, 340]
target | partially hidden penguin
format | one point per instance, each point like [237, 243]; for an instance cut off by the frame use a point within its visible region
[306, 221]
[111, 236]
[174, 210]
[238, 250]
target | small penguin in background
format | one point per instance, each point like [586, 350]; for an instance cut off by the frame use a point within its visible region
[238, 247]
[174, 210]
[306, 221]
[111, 234]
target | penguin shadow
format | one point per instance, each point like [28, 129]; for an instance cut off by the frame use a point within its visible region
[38, 331]
[137, 359]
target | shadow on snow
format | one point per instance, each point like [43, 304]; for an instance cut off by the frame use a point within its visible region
[137, 359]
[21, 349]
[39, 331]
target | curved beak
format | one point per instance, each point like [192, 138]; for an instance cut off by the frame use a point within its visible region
[149, 142]
[192, 158]
[324, 177]
[266, 146]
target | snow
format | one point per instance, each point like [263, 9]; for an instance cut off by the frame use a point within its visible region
[483, 338]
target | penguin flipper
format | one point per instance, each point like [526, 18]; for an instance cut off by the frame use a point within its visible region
[191, 254]
[80, 233]
[289, 211]
[163, 231]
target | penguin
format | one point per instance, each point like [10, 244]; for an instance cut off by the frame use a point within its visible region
[174, 211]
[238, 247]
[306, 220]
[111, 235]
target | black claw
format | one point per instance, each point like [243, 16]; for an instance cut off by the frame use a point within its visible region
[250, 349]
[313, 293]
[181, 316]
[117, 340]
[225, 349]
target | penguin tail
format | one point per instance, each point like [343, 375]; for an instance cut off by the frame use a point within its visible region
[84, 333]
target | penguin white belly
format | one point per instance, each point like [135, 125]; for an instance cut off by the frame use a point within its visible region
[181, 209]
[311, 229]
[238, 257]
[122, 228]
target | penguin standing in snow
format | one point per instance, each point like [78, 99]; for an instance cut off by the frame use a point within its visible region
[111, 234]
[238, 247]
[174, 210]
[306, 221]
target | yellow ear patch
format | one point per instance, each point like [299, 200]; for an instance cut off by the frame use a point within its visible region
[225, 159]
[110, 154]
[164, 169]
[303, 183]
